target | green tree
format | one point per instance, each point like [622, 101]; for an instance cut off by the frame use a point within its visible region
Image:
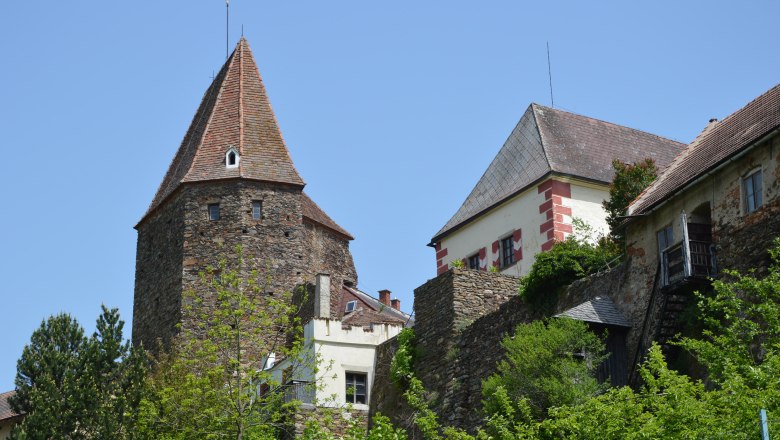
[213, 383]
[72, 387]
[547, 364]
[629, 181]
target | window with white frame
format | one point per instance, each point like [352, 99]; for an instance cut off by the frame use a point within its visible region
[351, 306]
[356, 391]
[232, 158]
[752, 187]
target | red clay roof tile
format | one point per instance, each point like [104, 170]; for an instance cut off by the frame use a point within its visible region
[235, 112]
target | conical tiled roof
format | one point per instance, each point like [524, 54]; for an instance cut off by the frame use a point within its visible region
[235, 112]
[548, 140]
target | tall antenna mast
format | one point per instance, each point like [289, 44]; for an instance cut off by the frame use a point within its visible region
[549, 73]
[227, 27]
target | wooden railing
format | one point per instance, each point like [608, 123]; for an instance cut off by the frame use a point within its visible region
[695, 261]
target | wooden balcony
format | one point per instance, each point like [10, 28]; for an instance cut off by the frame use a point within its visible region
[686, 261]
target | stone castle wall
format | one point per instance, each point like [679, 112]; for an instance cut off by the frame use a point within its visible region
[158, 275]
[178, 241]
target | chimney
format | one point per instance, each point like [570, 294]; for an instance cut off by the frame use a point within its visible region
[396, 304]
[322, 296]
[384, 297]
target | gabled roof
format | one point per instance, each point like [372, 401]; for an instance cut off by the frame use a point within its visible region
[234, 112]
[717, 143]
[314, 213]
[6, 412]
[599, 310]
[548, 140]
[369, 311]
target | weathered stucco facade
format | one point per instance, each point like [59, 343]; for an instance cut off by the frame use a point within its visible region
[703, 200]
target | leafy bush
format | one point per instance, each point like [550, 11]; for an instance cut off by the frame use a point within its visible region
[629, 181]
[548, 363]
[567, 261]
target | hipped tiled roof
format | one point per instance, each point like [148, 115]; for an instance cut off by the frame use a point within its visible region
[235, 112]
[717, 143]
[599, 310]
[548, 140]
[313, 212]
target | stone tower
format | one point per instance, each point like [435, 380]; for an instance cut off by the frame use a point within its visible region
[231, 182]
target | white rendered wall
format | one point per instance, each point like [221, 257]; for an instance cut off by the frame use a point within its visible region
[585, 204]
[522, 212]
[339, 351]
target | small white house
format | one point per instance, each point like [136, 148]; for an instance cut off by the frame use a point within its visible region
[554, 166]
[343, 347]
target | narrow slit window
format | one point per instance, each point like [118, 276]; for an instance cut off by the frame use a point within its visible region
[753, 188]
[257, 209]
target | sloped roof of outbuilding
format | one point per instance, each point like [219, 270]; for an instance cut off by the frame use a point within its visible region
[548, 140]
[235, 112]
[599, 310]
[374, 311]
[716, 144]
[313, 212]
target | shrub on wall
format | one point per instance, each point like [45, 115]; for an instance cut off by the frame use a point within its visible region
[569, 260]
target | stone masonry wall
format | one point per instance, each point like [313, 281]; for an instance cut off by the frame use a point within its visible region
[328, 252]
[158, 275]
[179, 241]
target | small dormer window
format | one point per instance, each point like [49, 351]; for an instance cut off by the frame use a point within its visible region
[351, 306]
[232, 158]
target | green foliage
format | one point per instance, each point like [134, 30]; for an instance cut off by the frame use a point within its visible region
[402, 365]
[457, 264]
[629, 181]
[567, 261]
[208, 387]
[73, 387]
[741, 319]
[548, 363]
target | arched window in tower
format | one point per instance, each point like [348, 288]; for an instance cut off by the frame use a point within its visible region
[232, 158]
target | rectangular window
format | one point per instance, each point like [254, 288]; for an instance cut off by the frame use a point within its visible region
[507, 252]
[474, 262]
[752, 188]
[257, 209]
[351, 306]
[665, 239]
[214, 211]
[356, 388]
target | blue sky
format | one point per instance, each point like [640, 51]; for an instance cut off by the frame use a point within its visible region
[391, 113]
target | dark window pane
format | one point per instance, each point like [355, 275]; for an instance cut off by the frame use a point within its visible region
[474, 262]
[214, 212]
[257, 209]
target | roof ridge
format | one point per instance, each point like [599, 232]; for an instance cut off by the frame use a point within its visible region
[647, 201]
[607, 122]
[533, 107]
